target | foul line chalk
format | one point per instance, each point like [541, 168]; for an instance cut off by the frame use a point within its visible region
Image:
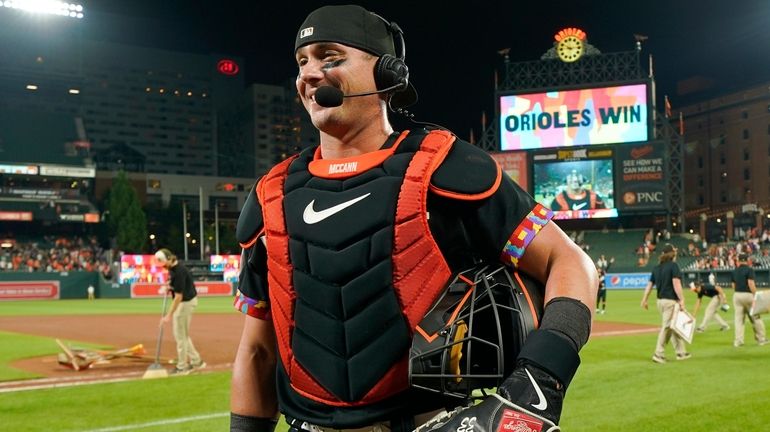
[160, 422]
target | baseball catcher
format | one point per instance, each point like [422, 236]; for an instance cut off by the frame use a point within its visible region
[389, 276]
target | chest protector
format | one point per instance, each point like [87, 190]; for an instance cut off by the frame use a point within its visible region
[352, 266]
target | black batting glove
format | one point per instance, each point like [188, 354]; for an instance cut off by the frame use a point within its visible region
[493, 414]
[534, 389]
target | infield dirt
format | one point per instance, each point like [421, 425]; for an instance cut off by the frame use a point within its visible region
[215, 336]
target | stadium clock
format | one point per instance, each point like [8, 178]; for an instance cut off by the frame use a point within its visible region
[570, 49]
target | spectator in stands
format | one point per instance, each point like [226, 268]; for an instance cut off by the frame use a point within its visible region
[54, 254]
[602, 263]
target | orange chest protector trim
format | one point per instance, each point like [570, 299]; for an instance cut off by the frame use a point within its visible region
[352, 269]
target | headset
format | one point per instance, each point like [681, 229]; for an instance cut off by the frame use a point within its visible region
[391, 71]
[574, 174]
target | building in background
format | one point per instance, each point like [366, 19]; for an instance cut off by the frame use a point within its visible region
[727, 146]
[46, 174]
[265, 125]
[142, 109]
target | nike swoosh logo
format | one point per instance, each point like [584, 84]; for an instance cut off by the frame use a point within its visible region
[311, 216]
[578, 206]
[543, 403]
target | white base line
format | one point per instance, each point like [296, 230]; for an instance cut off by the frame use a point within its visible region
[625, 332]
[63, 384]
[160, 422]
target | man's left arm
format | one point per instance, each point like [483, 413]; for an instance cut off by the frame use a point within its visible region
[174, 306]
[721, 294]
[175, 286]
[549, 357]
[678, 290]
[566, 270]
[752, 286]
[534, 392]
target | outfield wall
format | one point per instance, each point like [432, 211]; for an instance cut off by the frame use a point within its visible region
[639, 280]
[74, 285]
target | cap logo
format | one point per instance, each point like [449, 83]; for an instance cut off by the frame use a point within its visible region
[305, 32]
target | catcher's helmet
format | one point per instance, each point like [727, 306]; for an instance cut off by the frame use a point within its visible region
[472, 335]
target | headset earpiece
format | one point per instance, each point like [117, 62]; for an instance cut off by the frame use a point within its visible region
[391, 71]
[579, 177]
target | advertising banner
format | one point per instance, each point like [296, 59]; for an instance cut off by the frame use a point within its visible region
[67, 171]
[204, 288]
[626, 280]
[15, 216]
[641, 182]
[514, 164]
[29, 290]
[18, 169]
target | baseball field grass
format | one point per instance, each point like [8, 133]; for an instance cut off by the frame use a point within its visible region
[618, 387]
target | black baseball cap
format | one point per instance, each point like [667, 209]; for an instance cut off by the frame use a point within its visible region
[668, 247]
[354, 26]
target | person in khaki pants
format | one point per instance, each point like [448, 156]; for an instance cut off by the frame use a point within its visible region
[667, 279]
[743, 284]
[718, 299]
[185, 301]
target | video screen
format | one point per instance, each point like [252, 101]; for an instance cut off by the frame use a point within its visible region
[566, 118]
[228, 265]
[580, 189]
[141, 268]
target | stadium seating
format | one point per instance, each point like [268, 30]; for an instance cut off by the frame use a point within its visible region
[624, 246]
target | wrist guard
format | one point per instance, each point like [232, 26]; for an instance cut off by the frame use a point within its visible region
[241, 423]
[544, 369]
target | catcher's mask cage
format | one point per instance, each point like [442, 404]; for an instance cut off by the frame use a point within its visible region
[471, 336]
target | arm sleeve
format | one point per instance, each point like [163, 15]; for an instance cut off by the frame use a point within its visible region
[177, 282]
[499, 217]
[676, 272]
[252, 296]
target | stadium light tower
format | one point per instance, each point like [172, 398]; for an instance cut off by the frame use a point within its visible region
[49, 7]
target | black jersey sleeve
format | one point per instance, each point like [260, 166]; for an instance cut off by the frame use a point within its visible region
[252, 296]
[250, 221]
[499, 217]
[506, 222]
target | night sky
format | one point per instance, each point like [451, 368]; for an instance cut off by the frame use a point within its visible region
[452, 52]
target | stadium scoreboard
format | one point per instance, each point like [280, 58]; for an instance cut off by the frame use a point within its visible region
[585, 152]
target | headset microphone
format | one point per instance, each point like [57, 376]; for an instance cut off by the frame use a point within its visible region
[330, 97]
